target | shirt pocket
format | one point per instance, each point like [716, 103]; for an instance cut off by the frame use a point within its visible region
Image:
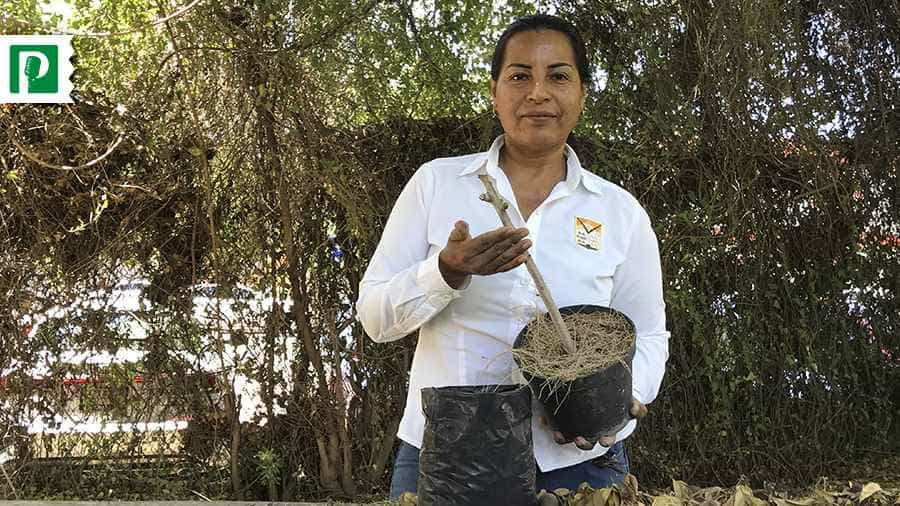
[602, 278]
[588, 279]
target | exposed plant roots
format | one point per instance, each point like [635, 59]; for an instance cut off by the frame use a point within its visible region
[601, 339]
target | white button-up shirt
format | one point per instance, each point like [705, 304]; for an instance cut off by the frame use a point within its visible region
[592, 242]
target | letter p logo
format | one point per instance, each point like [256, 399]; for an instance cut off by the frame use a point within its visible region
[35, 68]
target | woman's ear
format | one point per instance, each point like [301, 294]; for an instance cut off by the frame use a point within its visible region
[493, 89]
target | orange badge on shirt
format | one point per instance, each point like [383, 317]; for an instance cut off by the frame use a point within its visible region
[587, 233]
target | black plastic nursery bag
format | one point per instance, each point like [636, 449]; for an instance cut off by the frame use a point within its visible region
[592, 406]
[477, 448]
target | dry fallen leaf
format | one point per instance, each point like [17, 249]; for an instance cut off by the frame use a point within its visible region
[630, 489]
[682, 494]
[547, 499]
[599, 497]
[710, 491]
[868, 490]
[681, 489]
[667, 500]
[743, 496]
[408, 499]
[794, 502]
[823, 497]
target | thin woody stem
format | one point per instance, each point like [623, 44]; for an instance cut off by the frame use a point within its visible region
[500, 205]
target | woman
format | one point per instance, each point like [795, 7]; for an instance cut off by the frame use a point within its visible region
[444, 268]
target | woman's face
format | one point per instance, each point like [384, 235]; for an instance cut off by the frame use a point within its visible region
[538, 95]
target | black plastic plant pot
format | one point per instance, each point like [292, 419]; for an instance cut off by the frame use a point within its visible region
[477, 448]
[592, 406]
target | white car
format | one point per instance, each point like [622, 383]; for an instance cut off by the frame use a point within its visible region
[119, 328]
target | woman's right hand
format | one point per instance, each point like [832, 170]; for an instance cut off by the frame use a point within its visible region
[496, 251]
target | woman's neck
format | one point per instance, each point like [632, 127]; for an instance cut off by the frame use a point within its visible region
[527, 165]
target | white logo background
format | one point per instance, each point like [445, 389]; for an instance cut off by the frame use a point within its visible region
[64, 45]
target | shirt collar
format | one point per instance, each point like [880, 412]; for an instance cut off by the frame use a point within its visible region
[490, 162]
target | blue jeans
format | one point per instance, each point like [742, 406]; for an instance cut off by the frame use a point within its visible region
[604, 471]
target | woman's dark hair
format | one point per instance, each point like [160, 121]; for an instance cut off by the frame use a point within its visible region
[537, 23]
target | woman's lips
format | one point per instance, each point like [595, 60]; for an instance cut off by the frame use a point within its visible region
[539, 118]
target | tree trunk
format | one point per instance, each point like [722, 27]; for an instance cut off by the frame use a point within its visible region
[232, 404]
[340, 413]
[327, 472]
[332, 438]
[382, 450]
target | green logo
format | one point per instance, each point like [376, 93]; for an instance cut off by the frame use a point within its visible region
[34, 68]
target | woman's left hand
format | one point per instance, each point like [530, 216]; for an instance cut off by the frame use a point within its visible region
[637, 410]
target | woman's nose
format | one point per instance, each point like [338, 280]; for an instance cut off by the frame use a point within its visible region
[537, 93]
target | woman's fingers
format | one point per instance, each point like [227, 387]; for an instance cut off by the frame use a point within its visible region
[580, 441]
[491, 240]
[607, 441]
[506, 247]
[460, 231]
[495, 251]
[558, 436]
[510, 255]
[584, 444]
[638, 409]
[512, 264]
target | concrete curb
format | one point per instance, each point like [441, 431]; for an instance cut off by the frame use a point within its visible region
[175, 503]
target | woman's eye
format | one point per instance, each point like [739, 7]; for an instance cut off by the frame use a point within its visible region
[519, 76]
[559, 76]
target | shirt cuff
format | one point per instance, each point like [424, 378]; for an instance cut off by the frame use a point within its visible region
[431, 281]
